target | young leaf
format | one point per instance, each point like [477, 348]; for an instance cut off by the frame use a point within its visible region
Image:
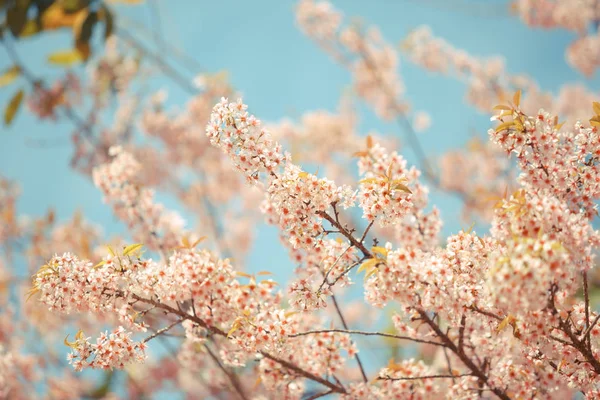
[505, 125]
[132, 248]
[13, 106]
[197, 241]
[596, 107]
[404, 188]
[9, 75]
[380, 250]
[111, 251]
[371, 262]
[517, 98]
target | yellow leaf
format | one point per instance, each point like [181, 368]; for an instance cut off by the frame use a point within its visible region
[371, 272]
[185, 242]
[31, 292]
[111, 251]
[501, 107]
[132, 249]
[303, 175]
[388, 172]
[78, 336]
[505, 322]
[380, 250]
[257, 382]
[10, 75]
[65, 58]
[368, 180]
[596, 107]
[101, 263]
[199, 240]
[369, 142]
[30, 28]
[400, 186]
[67, 343]
[235, 327]
[367, 264]
[264, 273]
[468, 231]
[55, 17]
[517, 98]
[504, 125]
[559, 126]
[13, 106]
[245, 275]
[360, 154]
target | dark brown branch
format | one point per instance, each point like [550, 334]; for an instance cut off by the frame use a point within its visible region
[355, 242]
[586, 295]
[306, 374]
[217, 331]
[476, 371]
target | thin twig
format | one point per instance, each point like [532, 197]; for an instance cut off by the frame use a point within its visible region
[319, 395]
[359, 245]
[163, 330]
[416, 378]
[232, 378]
[363, 333]
[356, 356]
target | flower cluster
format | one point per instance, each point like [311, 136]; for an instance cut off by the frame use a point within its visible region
[111, 350]
[372, 61]
[134, 204]
[240, 136]
[45, 101]
[296, 199]
[576, 16]
[384, 194]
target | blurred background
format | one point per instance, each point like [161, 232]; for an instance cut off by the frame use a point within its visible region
[280, 73]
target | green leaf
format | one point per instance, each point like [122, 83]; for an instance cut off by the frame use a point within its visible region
[13, 106]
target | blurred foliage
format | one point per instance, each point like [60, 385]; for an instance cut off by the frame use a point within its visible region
[21, 19]
[25, 18]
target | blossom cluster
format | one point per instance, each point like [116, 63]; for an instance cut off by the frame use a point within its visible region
[134, 204]
[578, 16]
[372, 61]
[111, 350]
